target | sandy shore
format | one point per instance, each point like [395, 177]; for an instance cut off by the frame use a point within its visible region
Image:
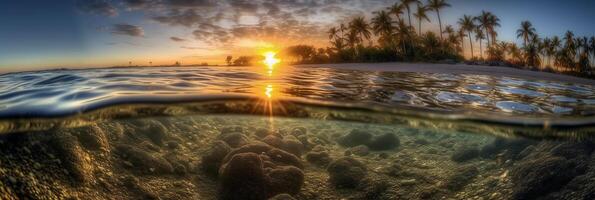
[459, 69]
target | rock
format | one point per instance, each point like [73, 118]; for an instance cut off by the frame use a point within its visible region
[143, 161]
[74, 159]
[273, 140]
[462, 176]
[281, 172]
[282, 197]
[232, 129]
[243, 178]
[234, 139]
[298, 131]
[383, 142]
[212, 159]
[262, 132]
[155, 131]
[354, 138]
[319, 158]
[360, 150]
[346, 172]
[92, 138]
[464, 154]
[284, 158]
[286, 179]
[293, 146]
[512, 147]
[172, 144]
[533, 178]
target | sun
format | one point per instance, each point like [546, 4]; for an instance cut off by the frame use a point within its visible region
[269, 59]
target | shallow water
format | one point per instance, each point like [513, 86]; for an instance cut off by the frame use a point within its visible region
[314, 133]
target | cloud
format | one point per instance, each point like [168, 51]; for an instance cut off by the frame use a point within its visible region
[194, 48]
[222, 23]
[180, 18]
[177, 39]
[191, 3]
[97, 7]
[127, 29]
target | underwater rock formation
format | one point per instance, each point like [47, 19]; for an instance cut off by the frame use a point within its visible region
[266, 170]
[354, 138]
[346, 172]
[211, 160]
[386, 141]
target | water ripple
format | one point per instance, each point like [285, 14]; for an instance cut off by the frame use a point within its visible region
[68, 91]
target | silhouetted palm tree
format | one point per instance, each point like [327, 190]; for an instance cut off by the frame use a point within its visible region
[531, 51]
[342, 29]
[525, 32]
[493, 22]
[332, 33]
[515, 54]
[360, 27]
[467, 24]
[436, 5]
[421, 15]
[396, 9]
[483, 22]
[382, 25]
[548, 50]
[406, 4]
[479, 35]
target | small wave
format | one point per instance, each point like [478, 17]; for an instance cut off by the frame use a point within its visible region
[60, 79]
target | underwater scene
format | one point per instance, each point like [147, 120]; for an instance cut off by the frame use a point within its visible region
[294, 133]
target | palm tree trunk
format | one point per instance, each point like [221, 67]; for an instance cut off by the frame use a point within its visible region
[409, 15]
[480, 49]
[488, 36]
[419, 28]
[470, 43]
[439, 24]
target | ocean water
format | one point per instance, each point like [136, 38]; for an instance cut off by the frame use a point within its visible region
[292, 132]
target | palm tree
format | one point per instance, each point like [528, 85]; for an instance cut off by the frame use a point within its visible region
[436, 5]
[525, 32]
[421, 15]
[352, 39]
[569, 49]
[515, 53]
[332, 33]
[483, 22]
[467, 24]
[396, 9]
[406, 4]
[360, 27]
[382, 25]
[532, 51]
[493, 22]
[479, 35]
[342, 28]
[548, 51]
[555, 44]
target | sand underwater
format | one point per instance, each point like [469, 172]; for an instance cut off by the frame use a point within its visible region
[252, 157]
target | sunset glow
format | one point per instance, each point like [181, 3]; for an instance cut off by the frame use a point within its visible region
[270, 60]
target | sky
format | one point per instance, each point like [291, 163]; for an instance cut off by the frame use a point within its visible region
[40, 34]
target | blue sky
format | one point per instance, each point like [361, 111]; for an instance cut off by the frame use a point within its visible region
[92, 33]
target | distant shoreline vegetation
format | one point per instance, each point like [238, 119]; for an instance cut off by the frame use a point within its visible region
[390, 36]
